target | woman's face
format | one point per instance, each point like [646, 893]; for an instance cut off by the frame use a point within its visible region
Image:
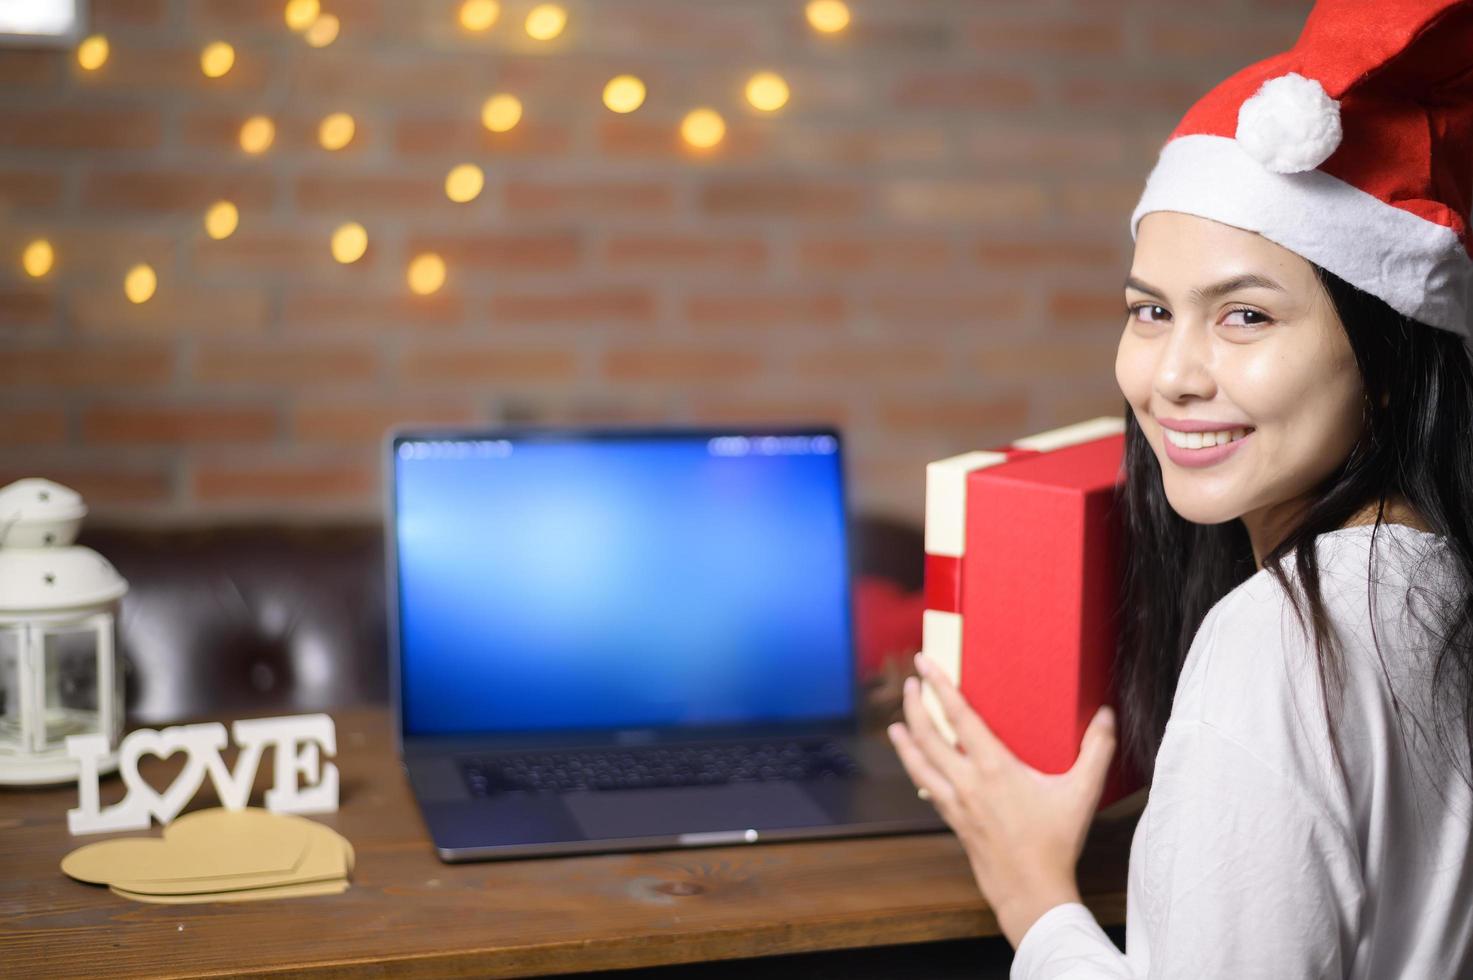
[1233, 334]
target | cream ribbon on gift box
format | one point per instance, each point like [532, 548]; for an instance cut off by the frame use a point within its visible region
[299, 741]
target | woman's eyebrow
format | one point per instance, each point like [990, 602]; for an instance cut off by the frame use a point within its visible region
[1208, 293]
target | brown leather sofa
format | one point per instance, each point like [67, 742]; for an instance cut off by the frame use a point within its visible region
[243, 619]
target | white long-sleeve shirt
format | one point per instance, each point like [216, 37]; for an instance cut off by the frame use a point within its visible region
[1254, 857]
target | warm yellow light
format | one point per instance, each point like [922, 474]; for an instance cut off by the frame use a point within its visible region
[38, 258]
[624, 93]
[703, 128]
[139, 284]
[324, 31]
[426, 274]
[221, 220]
[479, 15]
[301, 13]
[464, 183]
[336, 131]
[767, 91]
[829, 16]
[546, 21]
[92, 53]
[349, 242]
[257, 134]
[501, 113]
[216, 59]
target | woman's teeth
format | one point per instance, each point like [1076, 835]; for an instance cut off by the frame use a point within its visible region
[1204, 440]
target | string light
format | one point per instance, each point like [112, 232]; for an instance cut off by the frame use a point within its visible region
[426, 274]
[38, 258]
[828, 16]
[324, 31]
[546, 21]
[257, 134]
[464, 183]
[349, 242]
[703, 128]
[624, 93]
[301, 13]
[767, 91]
[92, 53]
[336, 131]
[479, 15]
[501, 113]
[216, 59]
[221, 220]
[140, 283]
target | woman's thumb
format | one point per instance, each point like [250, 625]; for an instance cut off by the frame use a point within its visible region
[1099, 744]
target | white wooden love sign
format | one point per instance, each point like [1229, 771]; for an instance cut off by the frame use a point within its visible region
[299, 743]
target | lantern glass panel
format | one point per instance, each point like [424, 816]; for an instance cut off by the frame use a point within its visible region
[71, 654]
[10, 723]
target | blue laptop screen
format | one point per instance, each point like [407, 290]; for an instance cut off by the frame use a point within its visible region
[621, 582]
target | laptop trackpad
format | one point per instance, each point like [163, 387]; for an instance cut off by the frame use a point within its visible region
[693, 810]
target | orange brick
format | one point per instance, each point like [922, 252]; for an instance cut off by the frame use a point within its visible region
[850, 254]
[349, 193]
[871, 146]
[892, 362]
[963, 310]
[1245, 41]
[102, 485]
[577, 198]
[29, 189]
[1128, 95]
[85, 367]
[26, 426]
[590, 305]
[958, 200]
[765, 309]
[87, 253]
[447, 364]
[297, 132]
[996, 415]
[1048, 357]
[418, 136]
[364, 310]
[1072, 150]
[176, 307]
[30, 69]
[286, 365]
[685, 251]
[79, 129]
[970, 89]
[26, 306]
[268, 13]
[1072, 38]
[155, 69]
[254, 251]
[128, 13]
[771, 410]
[177, 425]
[628, 137]
[1017, 255]
[174, 190]
[369, 421]
[1087, 308]
[1070, 408]
[781, 198]
[551, 251]
[680, 364]
[283, 483]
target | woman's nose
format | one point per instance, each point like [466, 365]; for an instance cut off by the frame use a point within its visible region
[1184, 368]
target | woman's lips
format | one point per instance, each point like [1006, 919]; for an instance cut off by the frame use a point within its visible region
[1194, 458]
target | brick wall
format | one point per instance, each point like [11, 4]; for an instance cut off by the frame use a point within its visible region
[925, 245]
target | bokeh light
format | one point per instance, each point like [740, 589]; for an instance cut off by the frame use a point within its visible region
[38, 258]
[336, 131]
[349, 242]
[624, 93]
[479, 15]
[546, 21]
[767, 91]
[257, 134]
[221, 220]
[301, 13]
[140, 283]
[501, 113]
[426, 274]
[92, 52]
[216, 59]
[828, 16]
[324, 31]
[464, 183]
[703, 128]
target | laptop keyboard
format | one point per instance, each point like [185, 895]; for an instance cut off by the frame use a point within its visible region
[662, 766]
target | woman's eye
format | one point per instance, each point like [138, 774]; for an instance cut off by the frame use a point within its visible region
[1149, 313]
[1250, 318]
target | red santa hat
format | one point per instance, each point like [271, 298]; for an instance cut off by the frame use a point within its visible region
[1353, 149]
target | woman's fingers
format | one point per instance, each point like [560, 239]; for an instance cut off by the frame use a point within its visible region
[925, 775]
[923, 731]
[977, 739]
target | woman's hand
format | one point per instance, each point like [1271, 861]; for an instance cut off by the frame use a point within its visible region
[1022, 829]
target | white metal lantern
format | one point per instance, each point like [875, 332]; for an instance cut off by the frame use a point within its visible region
[58, 621]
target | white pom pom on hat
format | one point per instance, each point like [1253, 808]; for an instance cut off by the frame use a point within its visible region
[1290, 124]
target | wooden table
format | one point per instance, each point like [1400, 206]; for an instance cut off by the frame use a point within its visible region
[408, 914]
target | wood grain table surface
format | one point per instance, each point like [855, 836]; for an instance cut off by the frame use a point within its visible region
[409, 914]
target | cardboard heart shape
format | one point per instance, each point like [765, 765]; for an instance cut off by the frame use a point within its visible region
[164, 806]
[241, 842]
[324, 859]
[247, 895]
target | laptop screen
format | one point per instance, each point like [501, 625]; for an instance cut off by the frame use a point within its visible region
[612, 580]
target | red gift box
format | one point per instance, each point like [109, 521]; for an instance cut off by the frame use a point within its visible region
[1022, 585]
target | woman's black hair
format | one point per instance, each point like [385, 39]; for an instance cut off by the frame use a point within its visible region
[1416, 445]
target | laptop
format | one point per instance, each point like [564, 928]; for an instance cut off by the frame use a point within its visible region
[624, 639]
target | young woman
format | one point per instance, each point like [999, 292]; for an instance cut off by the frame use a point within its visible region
[1296, 658]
